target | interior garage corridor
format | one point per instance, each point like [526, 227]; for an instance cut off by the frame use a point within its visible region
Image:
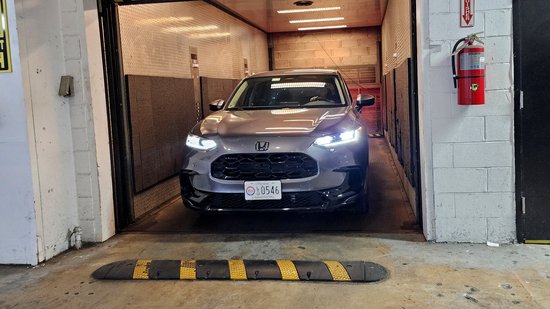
[177, 57]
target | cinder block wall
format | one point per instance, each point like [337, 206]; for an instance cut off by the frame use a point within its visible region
[471, 146]
[321, 49]
[334, 49]
[69, 139]
[88, 118]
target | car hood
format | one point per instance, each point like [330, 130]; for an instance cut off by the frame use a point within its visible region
[292, 121]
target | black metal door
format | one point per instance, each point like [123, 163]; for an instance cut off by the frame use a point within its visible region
[532, 118]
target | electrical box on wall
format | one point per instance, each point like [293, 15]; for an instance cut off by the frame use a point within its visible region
[66, 86]
[194, 60]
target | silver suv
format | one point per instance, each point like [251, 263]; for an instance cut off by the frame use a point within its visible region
[285, 141]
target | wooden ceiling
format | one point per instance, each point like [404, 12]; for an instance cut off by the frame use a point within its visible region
[263, 13]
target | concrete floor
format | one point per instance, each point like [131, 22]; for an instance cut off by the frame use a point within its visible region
[390, 211]
[421, 274]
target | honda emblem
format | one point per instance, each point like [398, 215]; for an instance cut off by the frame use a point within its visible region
[262, 146]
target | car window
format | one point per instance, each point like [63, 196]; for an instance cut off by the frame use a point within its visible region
[288, 92]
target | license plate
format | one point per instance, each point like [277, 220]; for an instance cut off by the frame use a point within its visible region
[262, 190]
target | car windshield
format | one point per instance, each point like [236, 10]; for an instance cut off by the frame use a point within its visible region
[288, 92]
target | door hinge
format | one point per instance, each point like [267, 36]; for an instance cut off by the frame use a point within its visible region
[521, 99]
[523, 204]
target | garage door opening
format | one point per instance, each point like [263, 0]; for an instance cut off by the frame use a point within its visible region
[166, 60]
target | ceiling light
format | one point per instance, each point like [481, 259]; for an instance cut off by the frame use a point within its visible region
[315, 20]
[309, 10]
[303, 3]
[165, 20]
[322, 28]
[211, 35]
[191, 29]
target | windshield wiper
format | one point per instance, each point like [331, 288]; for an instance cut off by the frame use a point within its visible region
[319, 98]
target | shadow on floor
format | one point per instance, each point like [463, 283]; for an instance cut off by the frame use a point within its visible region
[390, 211]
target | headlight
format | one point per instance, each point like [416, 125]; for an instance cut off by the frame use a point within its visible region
[339, 138]
[200, 143]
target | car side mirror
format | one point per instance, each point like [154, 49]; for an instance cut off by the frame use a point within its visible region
[216, 105]
[364, 100]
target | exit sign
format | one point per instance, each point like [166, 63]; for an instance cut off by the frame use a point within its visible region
[467, 13]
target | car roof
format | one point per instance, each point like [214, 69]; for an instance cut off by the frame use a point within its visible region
[295, 72]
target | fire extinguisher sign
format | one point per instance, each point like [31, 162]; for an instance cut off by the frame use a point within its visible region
[467, 13]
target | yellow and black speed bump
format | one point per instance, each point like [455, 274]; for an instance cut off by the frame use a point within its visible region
[357, 271]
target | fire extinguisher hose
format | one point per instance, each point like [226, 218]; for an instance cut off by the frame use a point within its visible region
[453, 64]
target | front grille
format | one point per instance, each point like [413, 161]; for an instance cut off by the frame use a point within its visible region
[298, 200]
[264, 166]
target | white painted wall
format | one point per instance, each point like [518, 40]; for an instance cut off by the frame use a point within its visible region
[103, 204]
[467, 151]
[91, 151]
[64, 163]
[17, 214]
[43, 60]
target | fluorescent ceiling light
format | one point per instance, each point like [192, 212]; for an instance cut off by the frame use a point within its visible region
[321, 28]
[209, 35]
[315, 20]
[191, 29]
[165, 20]
[309, 10]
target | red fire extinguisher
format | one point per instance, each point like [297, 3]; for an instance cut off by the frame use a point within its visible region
[470, 78]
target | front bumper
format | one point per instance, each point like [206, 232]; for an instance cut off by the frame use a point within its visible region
[348, 193]
[339, 182]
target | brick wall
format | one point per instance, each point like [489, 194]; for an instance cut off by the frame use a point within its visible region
[471, 146]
